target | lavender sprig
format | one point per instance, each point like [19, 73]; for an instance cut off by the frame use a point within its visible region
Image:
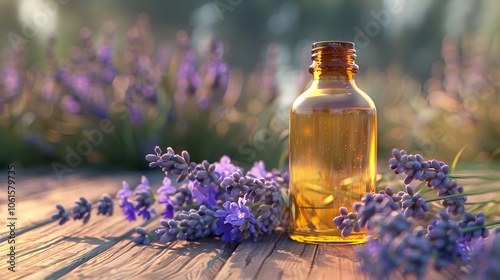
[145, 199]
[443, 234]
[236, 222]
[81, 210]
[144, 238]
[171, 163]
[105, 206]
[477, 222]
[490, 257]
[434, 173]
[205, 173]
[62, 215]
[413, 204]
[167, 191]
[187, 225]
[347, 222]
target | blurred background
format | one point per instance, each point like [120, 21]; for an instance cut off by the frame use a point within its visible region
[102, 82]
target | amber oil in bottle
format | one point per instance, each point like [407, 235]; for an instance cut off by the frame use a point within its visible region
[333, 141]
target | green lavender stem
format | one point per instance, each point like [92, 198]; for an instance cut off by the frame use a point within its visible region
[461, 194]
[481, 226]
[190, 206]
[461, 176]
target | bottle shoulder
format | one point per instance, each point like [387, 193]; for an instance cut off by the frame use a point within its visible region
[333, 98]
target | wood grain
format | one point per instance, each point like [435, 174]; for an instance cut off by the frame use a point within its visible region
[248, 259]
[176, 260]
[288, 260]
[338, 260]
[36, 198]
[50, 248]
[103, 248]
[43, 247]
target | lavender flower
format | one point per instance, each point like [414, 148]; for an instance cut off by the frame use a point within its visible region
[171, 163]
[62, 216]
[489, 268]
[145, 199]
[394, 202]
[169, 231]
[395, 247]
[166, 192]
[443, 235]
[194, 224]
[347, 222]
[11, 78]
[206, 195]
[188, 80]
[237, 185]
[473, 221]
[105, 53]
[217, 72]
[434, 173]
[392, 225]
[125, 192]
[143, 186]
[468, 250]
[372, 205]
[71, 105]
[258, 171]
[380, 257]
[413, 204]
[82, 210]
[417, 253]
[455, 205]
[270, 216]
[188, 225]
[128, 208]
[243, 223]
[80, 84]
[225, 167]
[105, 206]
[144, 238]
[205, 173]
[270, 212]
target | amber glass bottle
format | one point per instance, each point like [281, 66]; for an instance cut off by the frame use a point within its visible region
[333, 144]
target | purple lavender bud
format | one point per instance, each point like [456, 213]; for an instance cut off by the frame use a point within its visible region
[105, 206]
[396, 154]
[62, 215]
[435, 164]
[409, 190]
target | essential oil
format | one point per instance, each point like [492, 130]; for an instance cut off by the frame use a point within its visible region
[333, 142]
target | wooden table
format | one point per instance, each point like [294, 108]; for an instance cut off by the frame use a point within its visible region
[103, 249]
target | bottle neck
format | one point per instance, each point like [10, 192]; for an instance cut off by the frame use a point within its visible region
[333, 61]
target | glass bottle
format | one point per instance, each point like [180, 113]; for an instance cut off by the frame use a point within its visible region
[333, 146]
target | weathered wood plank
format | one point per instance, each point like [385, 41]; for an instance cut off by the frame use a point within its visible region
[33, 210]
[288, 260]
[35, 206]
[176, 260]
[97, 251]
[248, 259]
[338, 261]
[51, 248]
